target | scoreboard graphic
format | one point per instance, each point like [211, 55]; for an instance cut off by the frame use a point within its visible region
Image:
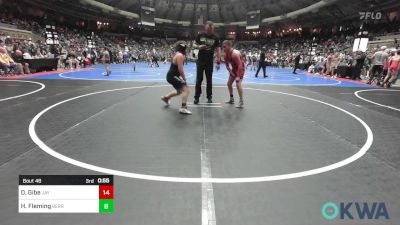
[66, 194]
[253, 20]
[51, 35]
[147, 16]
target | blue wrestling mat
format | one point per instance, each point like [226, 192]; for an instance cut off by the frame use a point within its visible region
[144, 73]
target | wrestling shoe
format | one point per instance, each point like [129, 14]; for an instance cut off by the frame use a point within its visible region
[166, 100]
[230, 101]
[240, 105]
[185, 111]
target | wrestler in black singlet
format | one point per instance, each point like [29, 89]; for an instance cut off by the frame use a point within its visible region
[174, 78]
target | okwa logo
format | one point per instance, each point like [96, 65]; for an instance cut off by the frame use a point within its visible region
[355, 210]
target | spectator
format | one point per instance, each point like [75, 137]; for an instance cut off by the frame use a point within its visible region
[360, 59]
[7, 63]
[26, 54]
[37, 54]
[19, 59]
[72, 60]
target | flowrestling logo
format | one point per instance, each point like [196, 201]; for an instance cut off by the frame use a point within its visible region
[370, 15]
[355, 210]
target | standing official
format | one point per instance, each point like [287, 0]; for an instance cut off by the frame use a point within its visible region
[296, 63]
[262, 63]
[206, 42]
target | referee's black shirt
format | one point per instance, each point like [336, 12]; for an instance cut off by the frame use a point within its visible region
[211, 41]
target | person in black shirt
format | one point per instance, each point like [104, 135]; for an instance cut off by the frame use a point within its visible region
[296, 63]
[18, 58]
[262, 64]
[206, 42]
[360, 59]
[155, 61]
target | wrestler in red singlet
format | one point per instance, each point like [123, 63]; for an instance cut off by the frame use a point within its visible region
[235, 66]
[393, 70]
[237, 71]
[394, 66]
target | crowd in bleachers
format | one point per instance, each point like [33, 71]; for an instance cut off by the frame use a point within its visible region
[319, 55]
[331, 56]
[73, 50]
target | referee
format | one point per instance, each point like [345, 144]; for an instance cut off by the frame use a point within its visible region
[296, 63]
[206, 42]
[262, 64]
